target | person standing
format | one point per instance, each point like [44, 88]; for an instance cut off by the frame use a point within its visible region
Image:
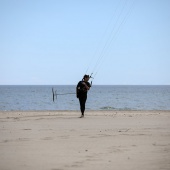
[81, 92]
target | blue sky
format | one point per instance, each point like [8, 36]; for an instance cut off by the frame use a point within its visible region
[53, 42]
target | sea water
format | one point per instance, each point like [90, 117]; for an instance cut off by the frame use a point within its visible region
[100, 97]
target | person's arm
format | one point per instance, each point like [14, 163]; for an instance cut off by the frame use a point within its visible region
[77, 88]
[87, 87]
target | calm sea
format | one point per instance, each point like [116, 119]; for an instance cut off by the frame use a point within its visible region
[99, 98]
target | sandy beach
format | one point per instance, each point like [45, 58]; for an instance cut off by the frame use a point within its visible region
[60, 140]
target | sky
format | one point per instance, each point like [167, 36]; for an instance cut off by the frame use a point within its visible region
[56, 42]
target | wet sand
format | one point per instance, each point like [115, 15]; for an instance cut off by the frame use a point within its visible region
[60, 140]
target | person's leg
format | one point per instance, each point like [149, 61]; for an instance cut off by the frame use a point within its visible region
[82, 101]
[83, 104]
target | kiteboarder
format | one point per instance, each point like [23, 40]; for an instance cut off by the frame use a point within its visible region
[81, 92]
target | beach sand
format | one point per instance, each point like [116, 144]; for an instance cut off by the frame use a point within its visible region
[103, 140]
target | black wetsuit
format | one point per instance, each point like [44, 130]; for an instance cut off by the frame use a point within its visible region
[82, 95]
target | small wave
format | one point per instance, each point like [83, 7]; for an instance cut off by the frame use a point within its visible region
[113, 108]
[107, 108]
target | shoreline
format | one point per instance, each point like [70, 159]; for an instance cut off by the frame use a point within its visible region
[86, 111]
[60, 140]
[77, 112]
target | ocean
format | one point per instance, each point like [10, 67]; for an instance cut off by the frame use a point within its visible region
[100, 97]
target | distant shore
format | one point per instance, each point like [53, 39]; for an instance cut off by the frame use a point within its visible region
[60, 140]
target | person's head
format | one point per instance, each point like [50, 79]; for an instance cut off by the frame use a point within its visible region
[86, 78]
